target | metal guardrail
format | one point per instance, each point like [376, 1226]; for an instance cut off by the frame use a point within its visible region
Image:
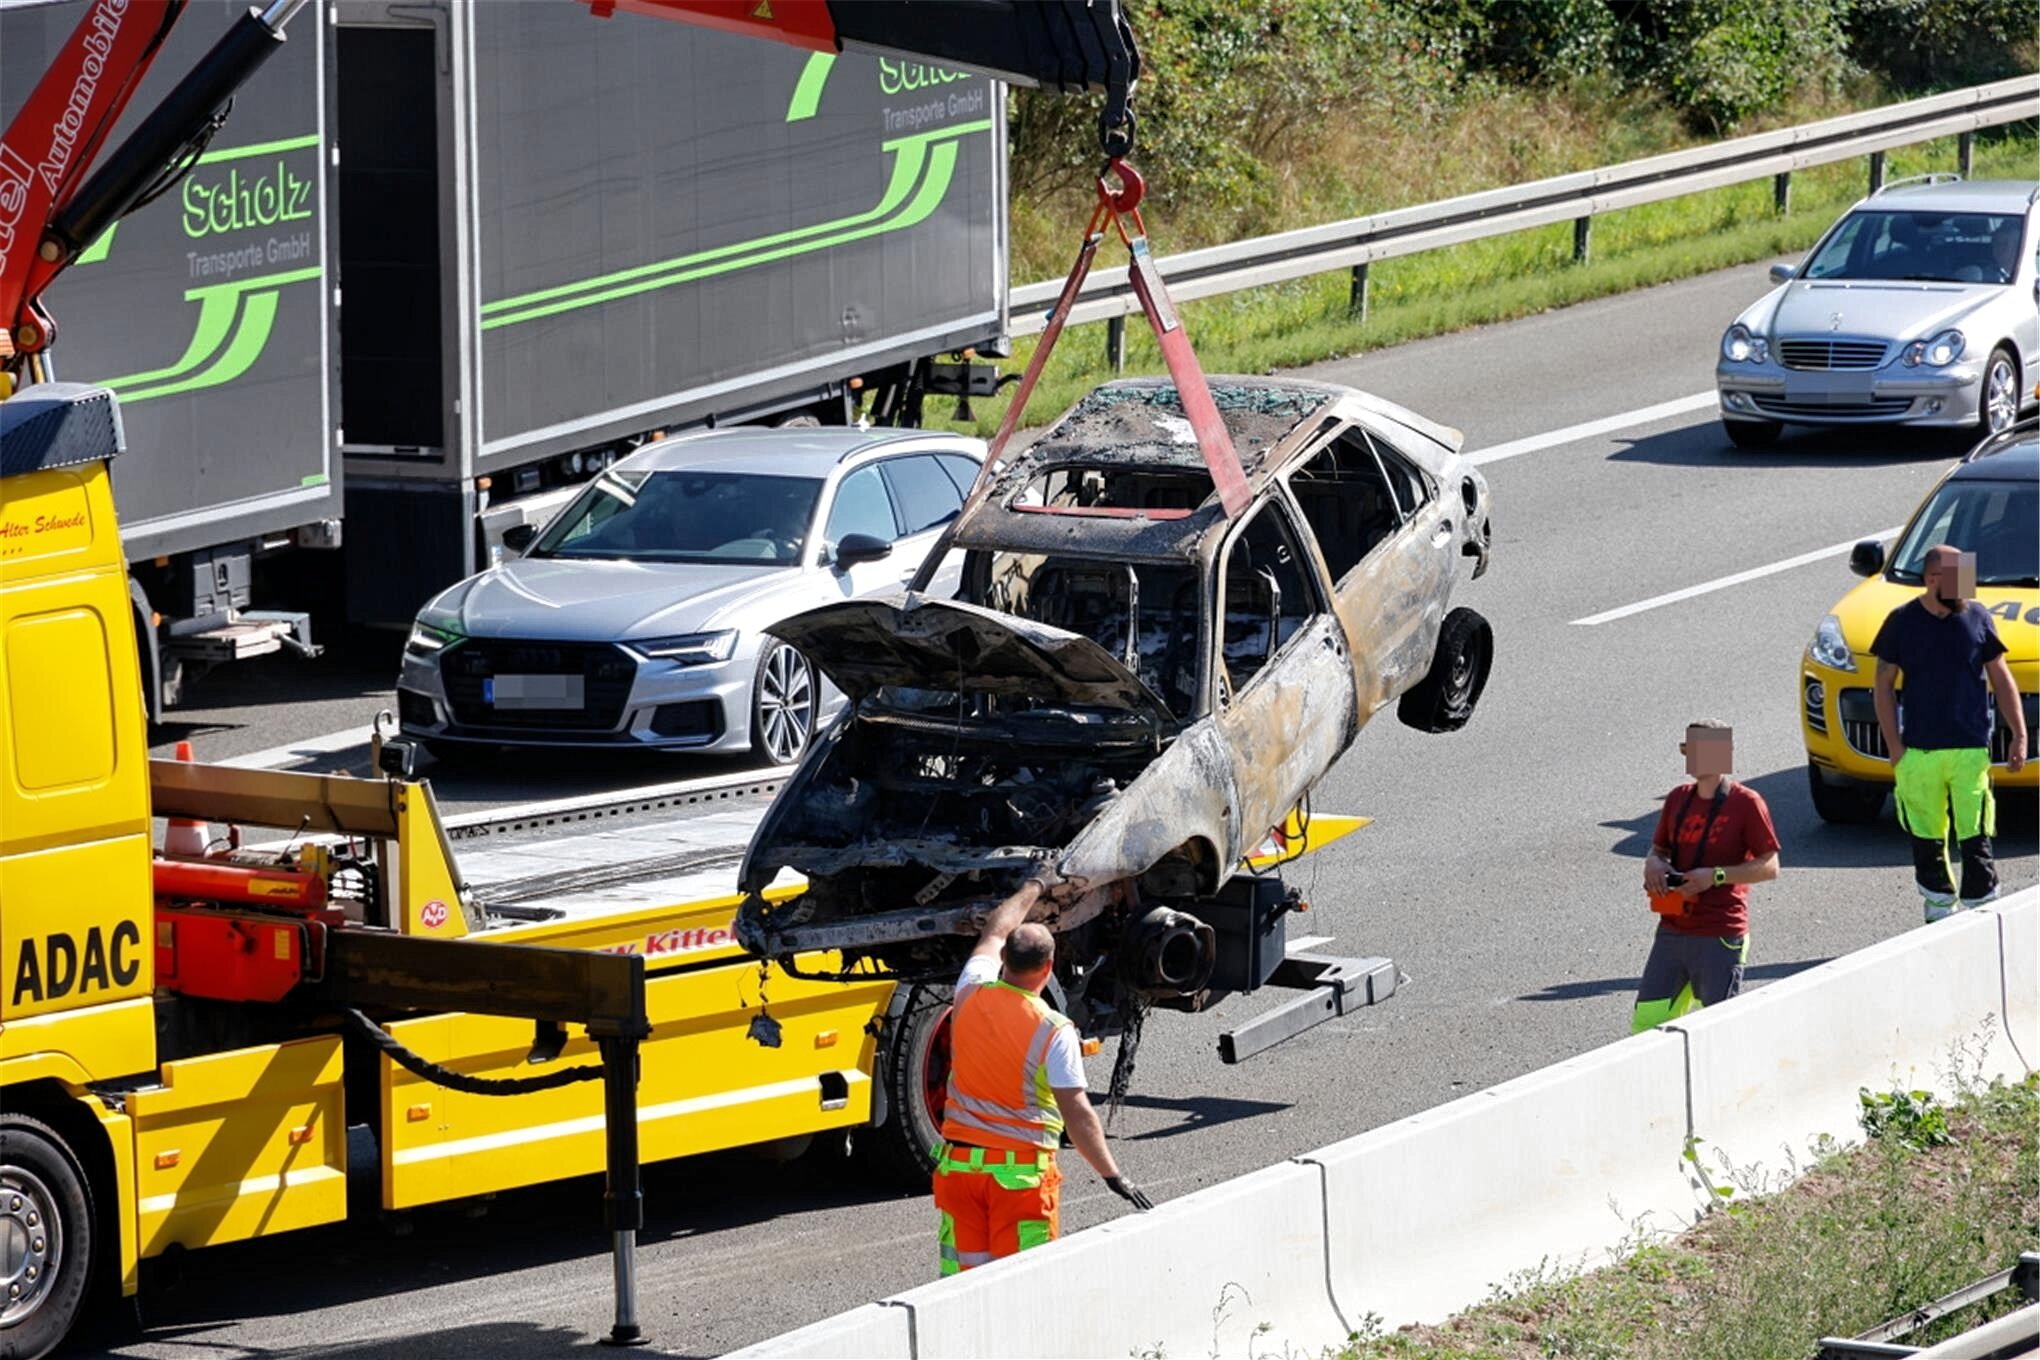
[1356, 242]
[1987, 1341]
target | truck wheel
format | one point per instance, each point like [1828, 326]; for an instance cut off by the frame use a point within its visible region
[45, 1238]
[913, 1069]
[1849, 804]
[1443, 700]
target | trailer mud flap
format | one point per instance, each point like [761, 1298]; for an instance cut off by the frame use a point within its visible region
[242, 1144]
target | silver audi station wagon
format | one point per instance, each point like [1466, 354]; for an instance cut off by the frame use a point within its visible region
[1920, 307]
[636, 615]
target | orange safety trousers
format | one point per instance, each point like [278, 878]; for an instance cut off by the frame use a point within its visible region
[993, 1204]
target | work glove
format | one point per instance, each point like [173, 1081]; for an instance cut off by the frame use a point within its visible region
[1129, 1192]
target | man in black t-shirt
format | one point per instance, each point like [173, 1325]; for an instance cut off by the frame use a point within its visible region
[1947, 649]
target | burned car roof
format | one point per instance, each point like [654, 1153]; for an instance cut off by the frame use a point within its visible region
[1137, 426]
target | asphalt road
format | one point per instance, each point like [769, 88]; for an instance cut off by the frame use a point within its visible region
[1500, 872]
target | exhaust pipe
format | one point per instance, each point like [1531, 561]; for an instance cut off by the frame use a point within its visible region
[1168, 951]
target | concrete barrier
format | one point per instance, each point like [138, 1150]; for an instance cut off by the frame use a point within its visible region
[1783, 1065]
[2018, 919]
[1418, 1219]
[1198, 1275]
[1429, 1212]
[874, 1331]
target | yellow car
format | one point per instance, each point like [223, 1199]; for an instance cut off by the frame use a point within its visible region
[1988, 504]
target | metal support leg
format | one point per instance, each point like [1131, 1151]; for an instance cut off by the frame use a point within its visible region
[1781, 193]
[1582, 239]
[1965, 153]
[1876, 171]
[1115, 343]
[623, 1200]
[1357, 306]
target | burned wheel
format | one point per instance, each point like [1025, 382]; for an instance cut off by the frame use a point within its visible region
[45, 1238]
[1443, 700]
[913, 1071]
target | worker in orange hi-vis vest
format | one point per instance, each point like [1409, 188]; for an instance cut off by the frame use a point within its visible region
[1016, 1078]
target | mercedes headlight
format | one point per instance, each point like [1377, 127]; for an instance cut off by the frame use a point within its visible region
[1743, 346]
[688, 649]
[1829, 647]
[1938, 352]
[425, 640]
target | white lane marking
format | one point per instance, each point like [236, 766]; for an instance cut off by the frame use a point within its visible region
[1642, 415]
[1724, 582]
[291, 753]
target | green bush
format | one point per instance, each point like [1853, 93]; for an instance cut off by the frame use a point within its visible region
[1935, 44]
[1539, 41]
[1233, 91]
[1721, 61]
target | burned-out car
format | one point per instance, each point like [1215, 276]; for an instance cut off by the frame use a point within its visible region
[1130, 688]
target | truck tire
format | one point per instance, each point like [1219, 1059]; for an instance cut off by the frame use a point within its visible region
[46, 1260]
[913, 1072]
[1443, 700]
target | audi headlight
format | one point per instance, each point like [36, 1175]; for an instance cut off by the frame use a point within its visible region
[1743, 346]
[1938, 352]
[689, 649]
[1829, 647]
[426, 640]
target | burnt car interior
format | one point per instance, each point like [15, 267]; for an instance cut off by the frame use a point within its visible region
[1347, 498]
[970, 762]
[1268, 597]
[1146, 614]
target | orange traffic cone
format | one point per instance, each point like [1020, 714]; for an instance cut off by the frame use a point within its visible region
[186, 835]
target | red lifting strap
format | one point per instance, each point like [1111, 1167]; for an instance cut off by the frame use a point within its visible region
[1213, 440]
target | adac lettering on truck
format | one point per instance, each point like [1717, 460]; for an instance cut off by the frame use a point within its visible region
[61, 964]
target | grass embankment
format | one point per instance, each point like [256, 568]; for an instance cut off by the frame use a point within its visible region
[1937, 1197]
[1481, 282]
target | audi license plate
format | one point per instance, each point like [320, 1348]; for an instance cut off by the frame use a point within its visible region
[535, 691]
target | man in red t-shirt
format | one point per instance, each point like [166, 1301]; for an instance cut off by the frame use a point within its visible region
[1713, 839]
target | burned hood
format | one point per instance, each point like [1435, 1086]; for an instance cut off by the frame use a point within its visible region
[919, 643]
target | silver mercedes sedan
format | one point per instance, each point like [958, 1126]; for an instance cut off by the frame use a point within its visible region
[1920, 307]
[635, 616]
